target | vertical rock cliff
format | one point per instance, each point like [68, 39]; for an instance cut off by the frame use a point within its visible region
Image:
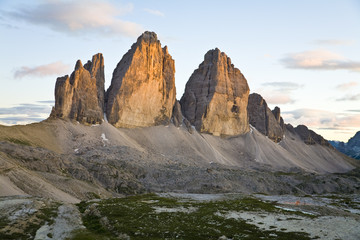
[216, 97]
[142, 91]
[97, 71]
[267, 122]
[80, 97]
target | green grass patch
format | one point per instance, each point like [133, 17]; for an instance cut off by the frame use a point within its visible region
[152, 217]
[19, 141]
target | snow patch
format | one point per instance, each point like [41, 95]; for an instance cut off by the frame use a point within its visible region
[104, 139]
[294, 210]
[251, 128]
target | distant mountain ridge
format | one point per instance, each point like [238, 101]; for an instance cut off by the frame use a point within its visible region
[351, 148]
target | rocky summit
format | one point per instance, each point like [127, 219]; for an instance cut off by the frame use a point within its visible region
[267, 122]
[80, 97]
[142, 91]
[216, 97]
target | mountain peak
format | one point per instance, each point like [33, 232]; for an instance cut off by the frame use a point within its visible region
[216, 97]
[148, 36]
[142, 91]
[78, 97]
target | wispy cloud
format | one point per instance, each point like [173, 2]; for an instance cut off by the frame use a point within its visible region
[25, 108]
[278, 92]
[56, 68]
[278, 98]
[283, 86]
[321, 119]
[154, 12]
[334, 42]
[319, 59]
[51, 102]
[26, 113]
[83, 16]
[355, 97]
[346, 86]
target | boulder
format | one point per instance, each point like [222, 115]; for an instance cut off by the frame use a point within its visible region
[142, 91]
[216, 97]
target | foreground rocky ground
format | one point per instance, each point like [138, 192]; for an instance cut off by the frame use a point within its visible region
[183, 216]
[87, 171]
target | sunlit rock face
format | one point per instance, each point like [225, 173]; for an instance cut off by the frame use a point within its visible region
[216, 97]
[263, 119]
[80, 97]
[142, 91]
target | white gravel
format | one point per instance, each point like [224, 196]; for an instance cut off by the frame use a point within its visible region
[66, 222]
[326, 227]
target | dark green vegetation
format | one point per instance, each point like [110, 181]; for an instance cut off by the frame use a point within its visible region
[22, 229]
[154, 217]
[19, 141]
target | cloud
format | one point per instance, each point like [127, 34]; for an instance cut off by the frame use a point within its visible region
[308, 113]
[27, 109]
[346, 86]
[334, 42]
[51, 102]
[83, 16]
[283, 86]
[278, 99]
[56, 68]
[355, 97]
[319, 59]
[154, 12]
[354, 110]
[25, 113]
[320, 119]
[278, 92]
[350, 121]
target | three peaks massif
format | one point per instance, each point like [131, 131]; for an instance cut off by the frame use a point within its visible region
[136, 137]
[142, 94]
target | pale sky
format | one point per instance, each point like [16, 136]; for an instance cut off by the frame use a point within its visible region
[303, 56]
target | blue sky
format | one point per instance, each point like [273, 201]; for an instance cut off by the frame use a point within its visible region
[303, 56]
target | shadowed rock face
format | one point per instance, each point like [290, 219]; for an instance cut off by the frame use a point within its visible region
[263, 119]
[216, 97]
[142, 91]
[310, 137]
[80, 97]
[279, 119]
[177, 116]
